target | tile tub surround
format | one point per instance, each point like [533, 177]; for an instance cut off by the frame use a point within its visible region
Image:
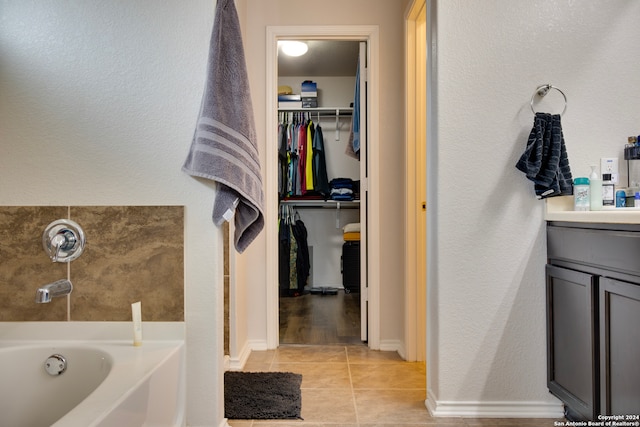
[133, 253]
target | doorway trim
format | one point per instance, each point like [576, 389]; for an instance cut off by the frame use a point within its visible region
[370, 34]
[415, 182]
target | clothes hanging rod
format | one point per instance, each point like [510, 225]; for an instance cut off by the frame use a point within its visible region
[329, 204]
[337, 112]
[324, 111]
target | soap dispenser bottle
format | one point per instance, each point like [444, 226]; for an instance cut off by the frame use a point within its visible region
[595, 190]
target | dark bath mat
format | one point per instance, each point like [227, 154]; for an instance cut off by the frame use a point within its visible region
[262, 395]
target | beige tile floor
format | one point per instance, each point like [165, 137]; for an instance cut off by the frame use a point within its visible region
[352, 386]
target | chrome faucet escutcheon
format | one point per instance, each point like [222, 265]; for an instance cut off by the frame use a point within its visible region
[63, 240]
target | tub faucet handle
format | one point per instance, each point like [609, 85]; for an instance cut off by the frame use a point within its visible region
[65, 239]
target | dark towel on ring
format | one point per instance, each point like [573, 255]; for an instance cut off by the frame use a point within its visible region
[545, 160]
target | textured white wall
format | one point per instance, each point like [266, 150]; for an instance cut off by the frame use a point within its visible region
[98, 102]
[486, 313]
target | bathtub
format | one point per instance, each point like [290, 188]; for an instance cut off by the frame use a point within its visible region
[107, 381]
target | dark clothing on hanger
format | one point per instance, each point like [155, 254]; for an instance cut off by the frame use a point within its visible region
[284, 246]
[294, 264]
[321, 181]
[283, 176]
[303, 263]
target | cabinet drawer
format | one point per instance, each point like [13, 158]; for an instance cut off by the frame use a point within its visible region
[609, 249]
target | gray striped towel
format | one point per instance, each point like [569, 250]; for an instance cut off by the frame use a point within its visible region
[224, 147]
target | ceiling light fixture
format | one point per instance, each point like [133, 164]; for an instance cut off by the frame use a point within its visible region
[293, 48]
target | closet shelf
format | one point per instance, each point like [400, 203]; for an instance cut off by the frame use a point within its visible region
[329, 204]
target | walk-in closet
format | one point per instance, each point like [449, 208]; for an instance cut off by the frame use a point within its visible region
[320, 208]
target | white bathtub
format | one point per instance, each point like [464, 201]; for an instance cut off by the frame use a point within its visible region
[108, 382]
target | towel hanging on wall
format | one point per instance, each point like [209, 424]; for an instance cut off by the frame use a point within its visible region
[545, 160]
[224, 147]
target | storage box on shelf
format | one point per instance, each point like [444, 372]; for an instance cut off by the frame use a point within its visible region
[309, 94]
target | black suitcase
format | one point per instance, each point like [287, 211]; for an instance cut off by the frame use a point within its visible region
[351, 266]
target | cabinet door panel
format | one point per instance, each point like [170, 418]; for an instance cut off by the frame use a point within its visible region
[620, 347]
[571, 338]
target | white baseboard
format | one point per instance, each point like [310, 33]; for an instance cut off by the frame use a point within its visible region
[494, 409]
[258, 345]
[236, 363]
[223, 423]
[392, 345]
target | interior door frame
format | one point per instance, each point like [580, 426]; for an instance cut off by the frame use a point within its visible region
[370, 34]
[415, 183]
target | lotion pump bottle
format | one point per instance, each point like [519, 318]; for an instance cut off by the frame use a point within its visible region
[595, 190]
[608, 191]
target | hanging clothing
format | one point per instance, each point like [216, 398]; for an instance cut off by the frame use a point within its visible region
[283, 161]
[293, 260]
[302, 163]
[302, 169]
[354, 136]
[321, 180]
[293, 163]
[309, 156]
[303, 263]
[294, 264]
[283, 256]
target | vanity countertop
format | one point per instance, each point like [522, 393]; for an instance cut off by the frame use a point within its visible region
[561, 209]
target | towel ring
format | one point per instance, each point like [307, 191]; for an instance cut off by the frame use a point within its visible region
[542, 91]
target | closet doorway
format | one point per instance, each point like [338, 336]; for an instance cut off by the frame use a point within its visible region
[324, 309]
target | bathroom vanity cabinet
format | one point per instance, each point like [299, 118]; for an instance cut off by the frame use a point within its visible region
[593, 318]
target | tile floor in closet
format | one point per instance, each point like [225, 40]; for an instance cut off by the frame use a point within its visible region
[352, 386]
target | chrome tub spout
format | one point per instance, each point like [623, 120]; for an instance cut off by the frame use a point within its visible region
[55, 289]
